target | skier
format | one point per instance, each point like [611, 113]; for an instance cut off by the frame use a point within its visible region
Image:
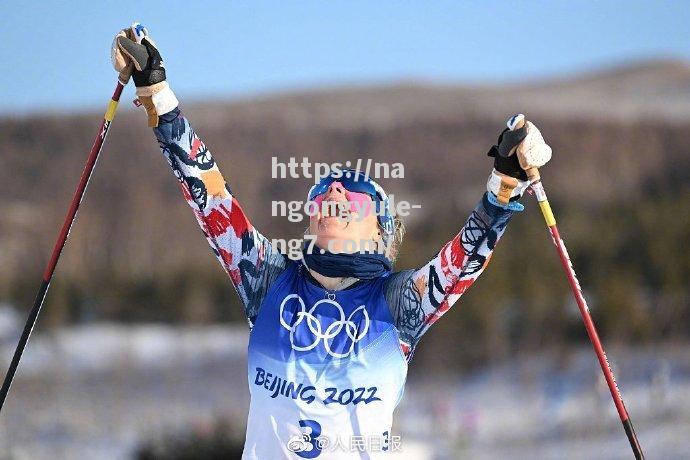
[331, 334]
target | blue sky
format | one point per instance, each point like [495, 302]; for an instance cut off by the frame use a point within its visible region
[55, 55]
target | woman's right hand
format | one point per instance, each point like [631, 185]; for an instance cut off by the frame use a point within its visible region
[134, 53]
[133, 49]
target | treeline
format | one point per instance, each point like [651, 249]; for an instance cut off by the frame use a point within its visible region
[619, 191]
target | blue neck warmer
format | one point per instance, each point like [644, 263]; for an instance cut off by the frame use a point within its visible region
[362, 265]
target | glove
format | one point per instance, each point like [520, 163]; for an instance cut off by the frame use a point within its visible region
[516, 151]
[134, 52]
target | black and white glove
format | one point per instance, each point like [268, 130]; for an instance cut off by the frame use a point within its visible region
[516, 151]
[134, 52]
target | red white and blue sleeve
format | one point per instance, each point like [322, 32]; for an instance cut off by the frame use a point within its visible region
[244, 253]
[418, 298]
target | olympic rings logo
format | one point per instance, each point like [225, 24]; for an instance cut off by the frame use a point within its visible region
[307, 318]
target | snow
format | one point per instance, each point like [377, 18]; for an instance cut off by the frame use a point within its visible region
[97, 391]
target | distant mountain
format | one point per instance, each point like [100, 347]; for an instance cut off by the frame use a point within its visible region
[654, 89]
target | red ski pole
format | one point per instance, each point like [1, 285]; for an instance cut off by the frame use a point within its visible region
[540, 194]
[62, 238]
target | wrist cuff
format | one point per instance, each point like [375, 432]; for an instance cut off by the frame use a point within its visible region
[510, 206]
[505, 187]
[158, 100]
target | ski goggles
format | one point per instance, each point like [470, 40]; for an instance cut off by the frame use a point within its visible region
[355, 182]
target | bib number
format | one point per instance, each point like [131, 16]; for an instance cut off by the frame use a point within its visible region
[306, 445]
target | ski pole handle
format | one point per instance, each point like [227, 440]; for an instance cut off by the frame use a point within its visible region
[125, 74]
[517, 122]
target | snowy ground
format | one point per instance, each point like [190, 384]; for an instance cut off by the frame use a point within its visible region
[95, 392]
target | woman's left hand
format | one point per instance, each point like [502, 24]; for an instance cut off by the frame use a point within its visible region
[524, 148]
[533, 151]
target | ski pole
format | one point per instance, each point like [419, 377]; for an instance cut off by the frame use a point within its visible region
[64, 233]
[540, 195]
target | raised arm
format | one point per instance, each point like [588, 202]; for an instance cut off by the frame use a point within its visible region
[418, 298]
[245, 254]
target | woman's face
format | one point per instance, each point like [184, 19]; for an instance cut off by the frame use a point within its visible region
[353, 225]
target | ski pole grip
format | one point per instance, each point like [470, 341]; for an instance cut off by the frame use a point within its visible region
[517, 122]
[125, 74]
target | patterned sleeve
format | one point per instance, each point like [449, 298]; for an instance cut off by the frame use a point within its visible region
[245, 254]
[418, 298]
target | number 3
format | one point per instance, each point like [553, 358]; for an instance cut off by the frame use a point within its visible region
[311, 437]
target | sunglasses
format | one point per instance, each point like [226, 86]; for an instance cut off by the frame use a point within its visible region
[359, 187]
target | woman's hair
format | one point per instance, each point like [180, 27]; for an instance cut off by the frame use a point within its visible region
[397, 238]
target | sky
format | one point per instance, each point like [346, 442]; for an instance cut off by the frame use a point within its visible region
[55, 56]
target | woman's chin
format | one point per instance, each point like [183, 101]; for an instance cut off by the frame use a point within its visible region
[331, 243]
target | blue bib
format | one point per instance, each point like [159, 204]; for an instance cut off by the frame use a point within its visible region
[326, 371]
